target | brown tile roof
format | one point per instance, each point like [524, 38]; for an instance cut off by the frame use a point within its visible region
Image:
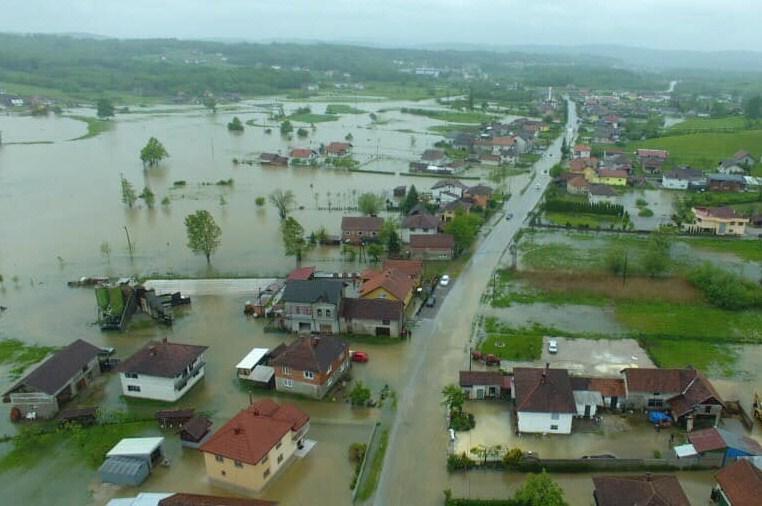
[652, 153]
[433, 241]
[699, 391]
[582, 147]
[394, 281]
[301, 274]
[708, 440]
[471, 378]
[311, 353]
[421, 220]
[648, 490]
[579, 164]
[608, 387]
[253, 432]
[53, 374]
[503, 141]
[741, 482]
[211, 500]
[692, 387]
[481, 189]
[197, 426]
[432, 155]
[543, 390]
[725, 213]
[577, 182]
[337, 148]
[162, 358]
[601, 190]
[413, 268]
[372, 309]
[301, 153]
[612, 173]
[362, 223]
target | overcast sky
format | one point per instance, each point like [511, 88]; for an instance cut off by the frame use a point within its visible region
[665, 24]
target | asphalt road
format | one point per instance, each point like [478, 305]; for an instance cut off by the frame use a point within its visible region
[414, 469]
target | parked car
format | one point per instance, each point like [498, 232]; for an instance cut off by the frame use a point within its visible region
[491, 359]
[509, 216]
[444, 280]
[359, 356]
[537, 186]
[431, 301]
[552, 346]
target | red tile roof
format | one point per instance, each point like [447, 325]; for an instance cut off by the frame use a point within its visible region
[394, 281]
[211, 500]
[545, 390]
[301, 274]
[652, 153]
[503, 141]
[301, 153]
[433, 241]
[413, 268]
[742, 483]
[612, 173]
[362, 223]
[579, 164]
[316, 354]
[608, 387]
[577, 182]
[582, 147]
[648, 490]
[338, 148]
[692, 387]
[253, 432]
[708, 440]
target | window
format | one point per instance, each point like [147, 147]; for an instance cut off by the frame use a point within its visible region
[288, 383]
[238, 463]
[223, 473]
[327, 313]
[131, 375]
[133, 388]
[278, 445]
[219, 458]
[309, 375]
[708, 410]
[266, 473]
[320, 312]
[385, 322]
[554, 427]
[655, 403]
[264, 459]
[280, 458]
[286, 371]
[555, 416]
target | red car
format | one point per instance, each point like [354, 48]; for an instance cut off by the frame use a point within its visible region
[359, 356]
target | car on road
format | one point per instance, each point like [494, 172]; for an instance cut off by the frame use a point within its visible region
[552, 346]
[359, 356]
[431, 301]
[444, 280]
[509, 216]
[537, 186]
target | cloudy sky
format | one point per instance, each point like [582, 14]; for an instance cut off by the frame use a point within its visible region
[665, 24]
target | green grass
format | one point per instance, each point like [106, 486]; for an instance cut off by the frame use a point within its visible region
[696, 125]
[749, 250]
[95, 126]
[704, 150]
[448, 129]
[451, 116]
[310, 117]
[677, 353]
[582, 220]
[342, 109]
[508, 343]
[370, 482]
[21, 355]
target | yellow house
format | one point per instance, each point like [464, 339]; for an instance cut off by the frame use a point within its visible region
[717, 220]
[254, 445]
[611, 177]
[390, 284]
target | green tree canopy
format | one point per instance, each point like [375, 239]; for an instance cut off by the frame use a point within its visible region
[129, 196]
[540, 490]
[293, 238]
[464, 228]
[286, 127]
[148, 197]
[453, 397]
[105, 108]
[391, 238]
[656, 259]
[235, 125]
[153, 152]
[210, 103]
[203, 233]
[283, 201]
[411, 200]
[370, 204]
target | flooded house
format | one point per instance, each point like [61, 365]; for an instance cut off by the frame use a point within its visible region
[361, 229]
[312, 306]
[421, 222]
[338, 149]
[389, 284]
[662, 490]
[373, 317]
[273, 160]
[253, 446]
[60, 378]
[162, 371]
[484, 384]
[432, 247]
[253, 367]
[311, 365]
[723, 445]
[739, 484]
[544, 400]
[195, 431]
[717, 221]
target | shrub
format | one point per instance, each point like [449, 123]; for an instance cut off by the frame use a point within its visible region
[645, 212]
[260, 201]
[459, 462]
[512, 456]
[724, 289]
[462, 421]
[573, 206]
[641, 203]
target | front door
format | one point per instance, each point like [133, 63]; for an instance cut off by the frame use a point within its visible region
[326, 329]
[480, 393]
[587, 411]
[614, 402]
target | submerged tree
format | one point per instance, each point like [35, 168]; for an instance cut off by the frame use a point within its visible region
[153, 152]
[235, 125]
[540, 490]
[203, 233]
[129, 196]
[106, 250]
[370, 204]
[148, 197]
[293, 238]
[105, 108]
[210, 103]
[283, 201]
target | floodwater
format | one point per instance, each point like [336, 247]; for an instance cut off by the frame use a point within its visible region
[569, 317]
[661, 202]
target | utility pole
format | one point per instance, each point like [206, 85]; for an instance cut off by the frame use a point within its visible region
[129, 243]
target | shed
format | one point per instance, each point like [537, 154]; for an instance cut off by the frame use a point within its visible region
[173, 417]
[195, 431]
[148, 449]
[246, 366]
[124, 471]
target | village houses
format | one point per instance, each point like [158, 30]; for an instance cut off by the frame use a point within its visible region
[311, 365]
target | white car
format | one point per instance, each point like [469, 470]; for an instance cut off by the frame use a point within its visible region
[552, 346]
[444, 280]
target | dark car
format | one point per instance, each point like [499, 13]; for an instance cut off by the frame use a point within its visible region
[431, 301]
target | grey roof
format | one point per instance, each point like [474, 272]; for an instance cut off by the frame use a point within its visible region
[730, 178]
[373, 309]
[313, 290]
[58, 370]
[685, 173]
[162, 358]
[602, 190]
[421, 220]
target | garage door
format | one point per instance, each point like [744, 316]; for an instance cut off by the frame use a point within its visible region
[383, 331]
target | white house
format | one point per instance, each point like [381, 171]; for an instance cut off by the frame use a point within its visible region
[447, 190]
[419, 223]
[162, 371]
[681, 178]
[544, 400]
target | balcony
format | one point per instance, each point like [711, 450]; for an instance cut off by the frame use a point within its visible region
[187, 376]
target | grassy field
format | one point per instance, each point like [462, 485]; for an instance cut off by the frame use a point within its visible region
[695, 125]
[505, 342]
[374, 470]
[451, 116]
[704, 150]
[95, 126]
[21, 355]
[750, 250]
[342, 109]
[717, 359]
[311, 117]
[582, 220]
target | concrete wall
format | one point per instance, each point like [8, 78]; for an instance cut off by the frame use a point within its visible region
[248, 476]
[674, 184]
[368, 327]
[542, 422]
[294, 381]
[639, 400]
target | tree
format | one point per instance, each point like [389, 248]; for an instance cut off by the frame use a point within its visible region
[210, 103]
[235, 125]
[148, 197]
[616, 260]
[283, 201]
[370, 204]
[153, 152]
[128, 193]
[106, 251]
[105, 108]
[260, 201]
[390, 238]
[359, 395]
[203, 233]
[302, 132]
[375, 251]
[540, 490]
[293, 238]
[656, 259]
[753, 107]
[286, 127]
[463, 228]
[411, 200]
[564, 148]
[454, 398]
